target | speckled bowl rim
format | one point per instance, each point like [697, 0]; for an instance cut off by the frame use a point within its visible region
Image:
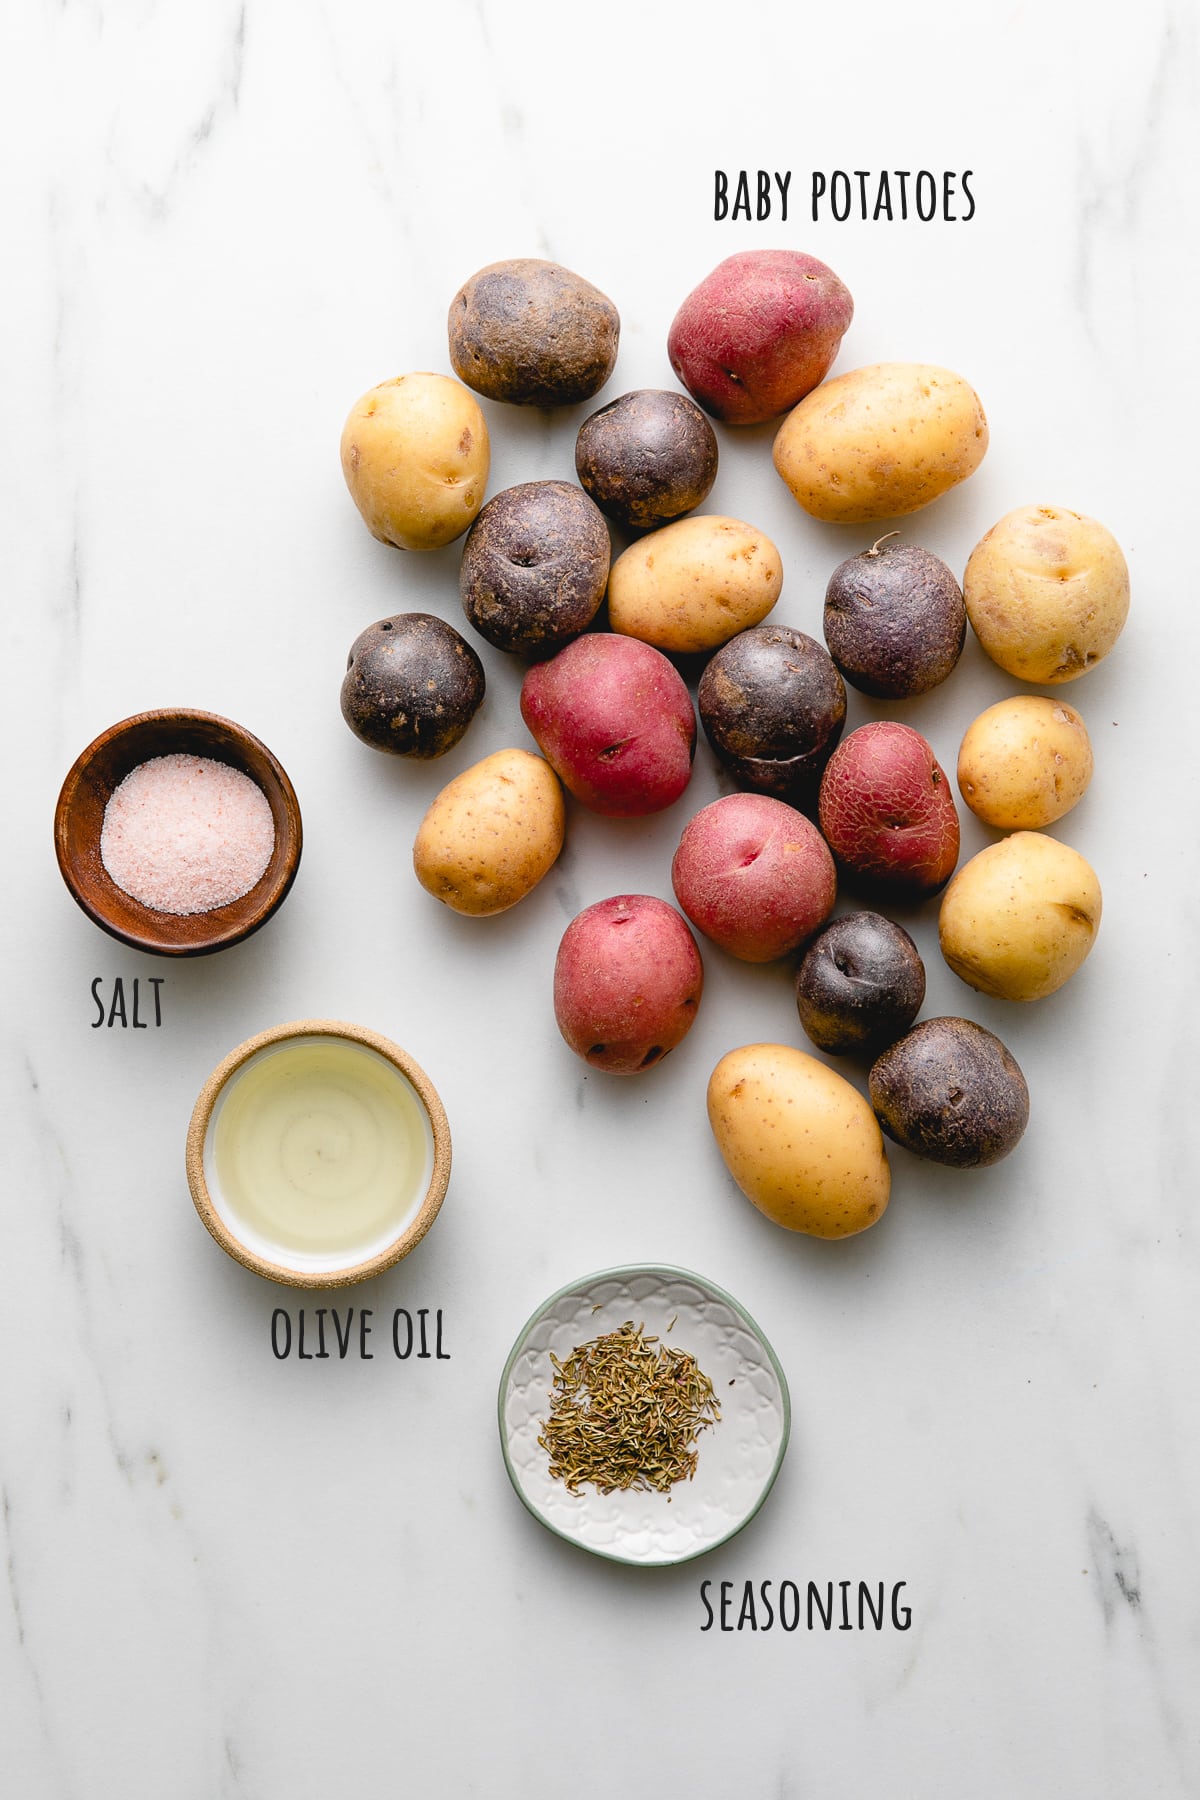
[624, 1272]
[435, 1193]
[224, 936]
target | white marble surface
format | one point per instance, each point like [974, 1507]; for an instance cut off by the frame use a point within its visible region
[227, 1575]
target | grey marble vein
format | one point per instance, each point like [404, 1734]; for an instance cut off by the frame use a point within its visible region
[1116, 169]
[1115, 1573]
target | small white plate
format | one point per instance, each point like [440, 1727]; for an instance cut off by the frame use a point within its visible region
[739, 1457]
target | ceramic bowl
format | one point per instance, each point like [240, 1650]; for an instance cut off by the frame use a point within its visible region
[739, 1457]
[274, 1250]
[79, 818]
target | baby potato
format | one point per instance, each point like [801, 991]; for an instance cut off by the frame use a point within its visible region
[647, 458]
[534, 567]
[1020, 917]
[491, 834]
[412, 685]
[773, 706]
[801, 1143]
[880, 442]
[952, 1092]
[694, 584]
[1047, 593]
[754, 875]
[860, 984]
[533, 333]
[415, 455]
[627, 983]
[1024, 762]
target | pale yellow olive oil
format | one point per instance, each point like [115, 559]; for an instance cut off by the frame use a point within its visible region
[321, 1150]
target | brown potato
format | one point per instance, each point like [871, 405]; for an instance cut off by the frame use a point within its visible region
[533, 333]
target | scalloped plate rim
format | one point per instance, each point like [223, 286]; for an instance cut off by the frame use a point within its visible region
[625, 1271]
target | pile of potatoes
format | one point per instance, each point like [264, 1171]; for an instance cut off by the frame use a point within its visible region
[1046, 592]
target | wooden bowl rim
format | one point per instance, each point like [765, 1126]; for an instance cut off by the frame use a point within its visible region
[287, 813]
[430, 1205]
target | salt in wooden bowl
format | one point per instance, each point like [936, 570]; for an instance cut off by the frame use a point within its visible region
[79, 820]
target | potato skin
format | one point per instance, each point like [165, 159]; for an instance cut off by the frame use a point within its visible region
[754, 875]
[627, 983]
[1047, 593]
[887, 811]
[491, 834]
[695, 584]
[773, 706]
[859, 985]
[951, 1092]
[614, 720]
[881, 442]
[800, 1142]
[415, 454]
[534, 567]
[894, 620]
[1025, 762]
[412, 686]
[1018, 920]
[759, 333]
[533, 333]
[647, 458]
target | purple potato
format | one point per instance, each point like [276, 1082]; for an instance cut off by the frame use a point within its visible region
[895, 621]
[773, 707]
[860, 984]
[647, 458]
[412, 686]
[950, 1091]
[534, 567]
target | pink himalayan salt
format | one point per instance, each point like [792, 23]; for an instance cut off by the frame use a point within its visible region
[184, 834]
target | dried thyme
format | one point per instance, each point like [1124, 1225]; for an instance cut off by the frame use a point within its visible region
[625, 1413]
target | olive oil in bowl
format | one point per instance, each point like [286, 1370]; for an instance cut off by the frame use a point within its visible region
[319, 1155]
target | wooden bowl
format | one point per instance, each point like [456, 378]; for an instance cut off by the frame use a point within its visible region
[79, 818]
[341, 1268]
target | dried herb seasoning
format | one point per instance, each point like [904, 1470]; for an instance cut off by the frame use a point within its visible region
[625, 1413]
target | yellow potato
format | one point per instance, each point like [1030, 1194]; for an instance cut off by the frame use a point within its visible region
[415, 455]
[695, 584]
[1025, 762]
[1047, 593]
[491, 835]
[1019, 918]
[880, 442]
[800, 1142]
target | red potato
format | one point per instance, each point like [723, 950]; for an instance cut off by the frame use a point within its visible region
[759, 333]
[627, 983]
[887, 809]
[614, 720]
[754, 875]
